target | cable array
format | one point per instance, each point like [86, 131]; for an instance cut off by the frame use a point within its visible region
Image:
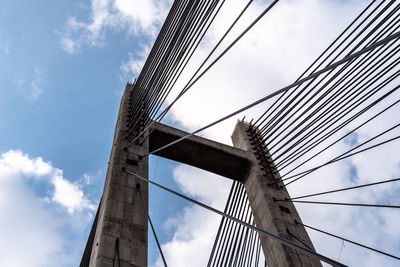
[236, 245]
[147, 119]
[351, 84]
[305, 117]
[284, 241]
[184, 28]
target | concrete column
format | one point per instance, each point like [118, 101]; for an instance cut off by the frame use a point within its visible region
[122, 215]
[275, 217]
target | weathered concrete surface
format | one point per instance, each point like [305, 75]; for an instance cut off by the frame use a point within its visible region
[275, 217]
[121, 214]
[200, 152]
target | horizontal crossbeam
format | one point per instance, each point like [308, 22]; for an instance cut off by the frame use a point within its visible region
[200, 152]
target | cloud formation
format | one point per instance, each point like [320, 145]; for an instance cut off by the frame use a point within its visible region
[135, 17]
[69, 195]
[32, 88]
[194, 228]
[36, 84]
[132, 67]
[37, 205]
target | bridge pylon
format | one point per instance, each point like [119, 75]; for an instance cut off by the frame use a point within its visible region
[120, 230]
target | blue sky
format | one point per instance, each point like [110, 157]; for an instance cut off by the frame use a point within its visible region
[60, 106]
[63, 66]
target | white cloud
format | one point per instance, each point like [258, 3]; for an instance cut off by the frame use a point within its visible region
[136, 17]
[195, 227]
[65, 193]
[208, 187]
[32, 88]
[43, 214]
[68, 45]
[88, 178]
[193, 239]
[142, 14]
[132, 67]
[13, 162]
[36, 84]
[29, 234]
[69, 195]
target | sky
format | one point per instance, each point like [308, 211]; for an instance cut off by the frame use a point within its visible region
[63, 67]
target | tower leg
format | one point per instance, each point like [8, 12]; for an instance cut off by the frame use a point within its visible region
[277, 218]
[121, 232]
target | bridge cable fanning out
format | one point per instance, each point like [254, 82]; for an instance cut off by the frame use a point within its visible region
[350, 241]
[193, 80]
[351, 78]
[260, 231]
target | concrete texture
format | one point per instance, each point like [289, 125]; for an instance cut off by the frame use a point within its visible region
[275, 217]
[121, 214]
[200, 152]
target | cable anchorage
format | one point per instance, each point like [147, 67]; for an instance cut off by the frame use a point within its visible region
[261, 153]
